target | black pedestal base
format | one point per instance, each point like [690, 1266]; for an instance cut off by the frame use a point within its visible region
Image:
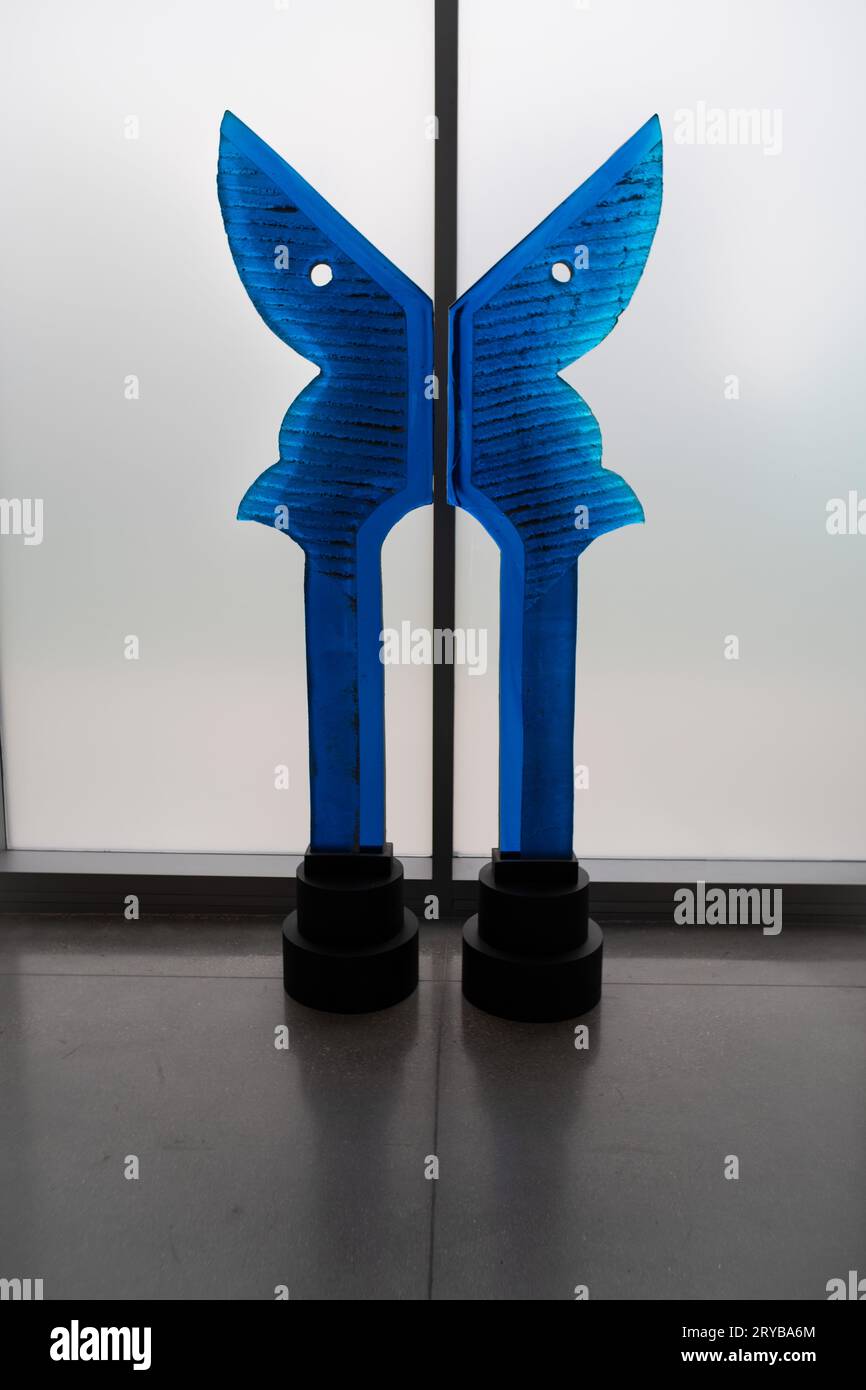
[351, 946]
[535, 989]
[532, 952]
[353, 981]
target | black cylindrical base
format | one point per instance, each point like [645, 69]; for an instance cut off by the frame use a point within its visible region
[534, 989]
[351, 946]
[345, 980]
[532, 952]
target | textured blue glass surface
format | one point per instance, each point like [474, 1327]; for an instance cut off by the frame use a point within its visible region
[356, 454]
[525, 455]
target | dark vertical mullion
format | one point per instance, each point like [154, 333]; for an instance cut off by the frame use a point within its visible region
[3, 843]
[445, 292]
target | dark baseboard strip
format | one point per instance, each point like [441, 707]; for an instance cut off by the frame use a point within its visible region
[89, 883]
[653, 903]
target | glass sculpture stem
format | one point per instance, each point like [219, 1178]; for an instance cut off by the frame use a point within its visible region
[346, 723]
[536, 781]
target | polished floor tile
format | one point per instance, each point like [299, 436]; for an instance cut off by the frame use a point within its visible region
[605, 1167]
[312, 1166]
[257, 1166]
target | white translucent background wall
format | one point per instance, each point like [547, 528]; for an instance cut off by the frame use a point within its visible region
[757, 272]
[114, 263]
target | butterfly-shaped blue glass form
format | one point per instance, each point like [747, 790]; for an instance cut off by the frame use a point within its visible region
[525, 460]
[356, 454]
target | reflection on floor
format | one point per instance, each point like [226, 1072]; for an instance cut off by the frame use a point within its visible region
[310, 1168]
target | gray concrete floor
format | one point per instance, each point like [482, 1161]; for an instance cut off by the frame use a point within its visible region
[306, 1167]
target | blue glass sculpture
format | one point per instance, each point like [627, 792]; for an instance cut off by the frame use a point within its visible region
[355, 454]
[525, 459]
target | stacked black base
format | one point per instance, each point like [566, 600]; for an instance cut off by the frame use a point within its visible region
[350, 946]
[532, 951]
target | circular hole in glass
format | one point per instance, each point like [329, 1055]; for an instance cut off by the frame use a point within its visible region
[561, 271]
[321, 274]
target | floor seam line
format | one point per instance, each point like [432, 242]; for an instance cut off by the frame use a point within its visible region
[436, 1098]
[618, 984]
